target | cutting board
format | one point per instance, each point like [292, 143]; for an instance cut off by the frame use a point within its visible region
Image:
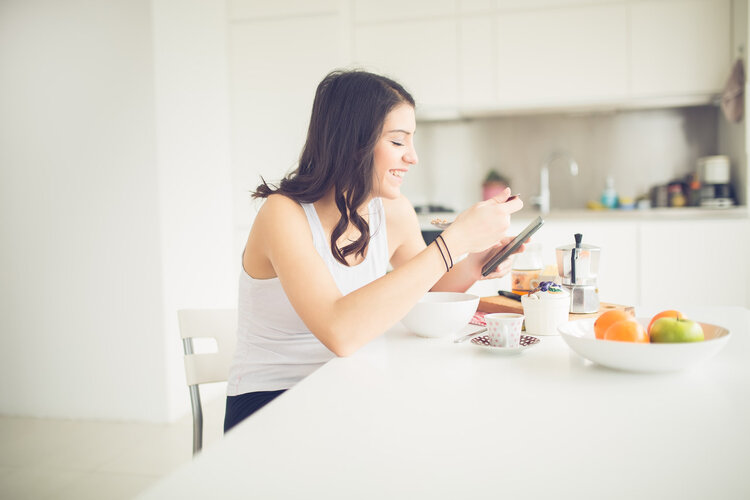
[499, 303]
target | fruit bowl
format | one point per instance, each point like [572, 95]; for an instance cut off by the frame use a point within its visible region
[637, 357]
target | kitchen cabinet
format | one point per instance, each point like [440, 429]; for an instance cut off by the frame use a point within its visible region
[420, 54]
[254, 9]
[367, 11]
[618, 267]
[664, 262]
[679, 47]
[477, 84]
[474, 6]
[562, 56]
[695, 262]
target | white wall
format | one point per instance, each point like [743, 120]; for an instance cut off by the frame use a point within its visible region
[199, 265]
[113, 192]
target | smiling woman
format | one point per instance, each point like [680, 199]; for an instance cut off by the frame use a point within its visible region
[318, 288]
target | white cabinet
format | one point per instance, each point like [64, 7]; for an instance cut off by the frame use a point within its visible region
[422, 55]
[477, 84]
[619, 253]
[259, 9]
[679, 46]
[560, 56]
[695, 262]
[367, 11]
[660, 263]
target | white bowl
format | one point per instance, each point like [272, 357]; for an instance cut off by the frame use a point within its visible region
[439, 314]
[637, 357]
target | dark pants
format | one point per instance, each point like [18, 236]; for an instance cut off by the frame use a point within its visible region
[242, 406]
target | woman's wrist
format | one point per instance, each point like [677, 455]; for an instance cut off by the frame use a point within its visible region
[453, 242]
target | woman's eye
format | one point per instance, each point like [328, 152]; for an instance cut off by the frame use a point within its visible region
[396, 143]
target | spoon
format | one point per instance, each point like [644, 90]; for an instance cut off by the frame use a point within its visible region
[469, 336]
[444, 223]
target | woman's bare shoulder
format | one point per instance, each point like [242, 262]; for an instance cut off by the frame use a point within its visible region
[278, 206]
[399, 212]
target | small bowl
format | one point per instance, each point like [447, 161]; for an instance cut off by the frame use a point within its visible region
[440, 314]
[636, 357]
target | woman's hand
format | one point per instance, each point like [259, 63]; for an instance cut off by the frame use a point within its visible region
[504, 267]
[483, 225]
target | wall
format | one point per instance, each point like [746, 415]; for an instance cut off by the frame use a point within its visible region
[199, 264]
[113, 188]
[638, 149]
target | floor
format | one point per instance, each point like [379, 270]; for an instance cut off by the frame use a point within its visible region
[71, 459]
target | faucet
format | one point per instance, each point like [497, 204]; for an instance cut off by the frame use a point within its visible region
[542, 201]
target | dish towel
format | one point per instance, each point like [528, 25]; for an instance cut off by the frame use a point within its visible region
[733, 97]
[478, 319]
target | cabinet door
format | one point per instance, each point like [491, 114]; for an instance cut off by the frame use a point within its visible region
[618, 240]
[366, 11]
[477, 87]
[275, 67]
[421, 55]
[680, 47]
[257, 9]
[563, 55]
[694, 263]
[618, 262]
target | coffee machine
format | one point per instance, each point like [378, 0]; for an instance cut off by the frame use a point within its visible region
[578, 266]
[716, 191]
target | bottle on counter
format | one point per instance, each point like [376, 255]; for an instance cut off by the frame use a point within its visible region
[676, 193]
[527, 266]
[609, 195]
[694, 190]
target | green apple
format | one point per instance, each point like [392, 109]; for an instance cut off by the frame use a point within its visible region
[676, 330]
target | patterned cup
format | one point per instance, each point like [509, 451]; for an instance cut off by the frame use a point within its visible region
[504, 329]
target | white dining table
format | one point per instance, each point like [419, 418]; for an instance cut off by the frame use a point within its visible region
[409, 417]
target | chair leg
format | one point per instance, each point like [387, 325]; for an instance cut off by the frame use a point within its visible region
[195, 401]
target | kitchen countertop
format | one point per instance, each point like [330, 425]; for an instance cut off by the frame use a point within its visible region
[653, 214]
[407, 417]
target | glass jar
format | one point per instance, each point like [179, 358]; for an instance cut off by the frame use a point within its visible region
[527, 267]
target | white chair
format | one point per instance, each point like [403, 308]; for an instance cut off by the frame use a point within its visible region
[204, 368]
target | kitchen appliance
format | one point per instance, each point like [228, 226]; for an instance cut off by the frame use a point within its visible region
[578, 266]
[716, 191]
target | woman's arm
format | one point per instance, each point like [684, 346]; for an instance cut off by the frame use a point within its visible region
[344, 323]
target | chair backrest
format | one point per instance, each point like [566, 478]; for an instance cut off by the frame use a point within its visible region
[219, 324]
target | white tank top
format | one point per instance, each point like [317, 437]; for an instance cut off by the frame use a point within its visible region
[275, 349]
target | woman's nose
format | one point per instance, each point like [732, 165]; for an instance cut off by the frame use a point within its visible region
[411, 157]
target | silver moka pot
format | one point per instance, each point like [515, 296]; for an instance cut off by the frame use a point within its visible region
[578, 266]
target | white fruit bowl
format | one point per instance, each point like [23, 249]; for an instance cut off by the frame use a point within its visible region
[636, 357]
[440, 314]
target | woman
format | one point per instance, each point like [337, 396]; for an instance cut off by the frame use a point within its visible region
[314, 282]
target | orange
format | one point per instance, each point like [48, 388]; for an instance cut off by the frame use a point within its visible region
[627, 330]
[607, 319]
[665, 314]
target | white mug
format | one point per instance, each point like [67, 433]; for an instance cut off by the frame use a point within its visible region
[504, 329]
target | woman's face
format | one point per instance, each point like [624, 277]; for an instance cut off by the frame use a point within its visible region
[394, 153]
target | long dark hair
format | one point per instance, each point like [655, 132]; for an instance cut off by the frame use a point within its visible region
[347, 120]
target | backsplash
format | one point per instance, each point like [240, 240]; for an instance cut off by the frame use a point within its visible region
[638, 149]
